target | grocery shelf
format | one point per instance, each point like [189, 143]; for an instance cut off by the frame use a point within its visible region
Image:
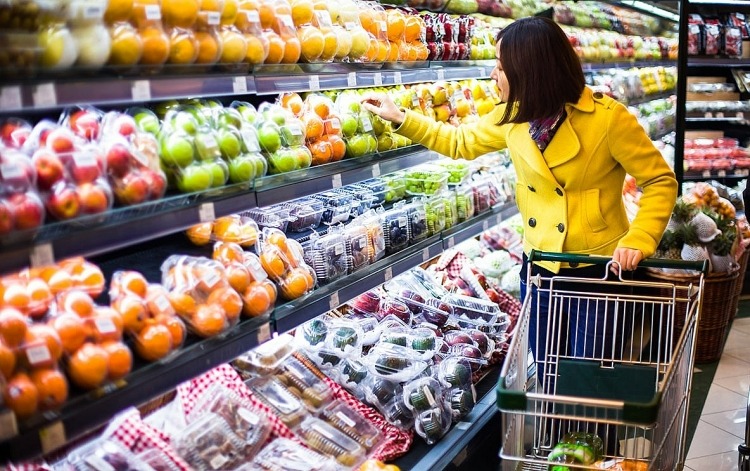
[649, 98]
[86, 412]
[701, 62]
[709, 175]
[626, 64]
[477, 224]
[717, 125]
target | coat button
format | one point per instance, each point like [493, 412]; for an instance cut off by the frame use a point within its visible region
[598, 95]
[532, 222]
[561, 227]
[573, 264]
[558, 191]
[532, 189]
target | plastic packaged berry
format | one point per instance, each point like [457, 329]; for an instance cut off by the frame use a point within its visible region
[328, 256]
[286, 454]
[328, 440]
[372, 222]
[267, 358]
[304, 214]
[482, 195]
[209, 443]
[458, 170]
[359, 250]
[376, 186]
[395, 229]
[451, 210]
[417, 215]
[349, 421]
[363, 199]
[274, 394]
[464, 197]
[434, 214]
[426, 180]
[249, 424]
[103, 454]
[433, 423]
[337, 206]
[395, 187]
[303, 383]
[394, 362]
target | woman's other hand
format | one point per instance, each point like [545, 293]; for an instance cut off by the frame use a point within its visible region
[382, 105]
[627, 259]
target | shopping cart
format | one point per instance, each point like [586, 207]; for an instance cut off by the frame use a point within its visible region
[632, 393]
[744, 447]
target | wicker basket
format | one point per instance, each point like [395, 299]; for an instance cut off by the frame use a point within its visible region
[717, 309]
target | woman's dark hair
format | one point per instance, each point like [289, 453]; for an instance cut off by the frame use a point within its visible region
[542, 69]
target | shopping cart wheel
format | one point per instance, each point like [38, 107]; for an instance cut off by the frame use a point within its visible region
[743, 463]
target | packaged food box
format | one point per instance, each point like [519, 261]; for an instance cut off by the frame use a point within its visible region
[304, 214]
[209, 444]
[349, 421]
[426, 180]
[303, 383]
[328, 440]
[277, 396]
[336, 206]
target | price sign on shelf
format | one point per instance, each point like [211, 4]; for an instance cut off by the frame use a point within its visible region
[397, 78]
[451, 242]
[42, 255]
[485, 225]
[52, 437]
[440, 74]
[10, 98]
[377, 79]
[264, 333]
[141, 90]
[8, 425]
[351, 79]
[206, 212]
[425, 254]
[45, 96]
[336, 181]
[314, 83]
[388, 274]
[333, 301]
[376, 170]
[239, 85]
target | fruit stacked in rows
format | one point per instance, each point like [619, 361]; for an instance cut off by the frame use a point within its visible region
[356, 125]
[201, 294]
[283, 260]
[242, 231]
[147, 314]
[247, 277]
[21, 207]
[281, 136]
[322, 126]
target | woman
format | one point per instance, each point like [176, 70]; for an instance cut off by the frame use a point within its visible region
[571, 149]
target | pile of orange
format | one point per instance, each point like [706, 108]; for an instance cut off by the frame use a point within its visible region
[243, 231]
[282, 260]
[322, 129]
[147, 314]
[247, 277]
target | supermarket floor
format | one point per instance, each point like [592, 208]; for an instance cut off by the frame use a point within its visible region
[721, 421]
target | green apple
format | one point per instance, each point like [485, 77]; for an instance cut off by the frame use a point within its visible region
[293, 134]
[147, 121]
[269, 137]
[354, 107]
[386, 142]
[349, 125]
[283, 160]
[242, 169]
[229, 117]
[261, 165]
[247, 111]
[194, 178]
[184, 121]
[219, 172]
[276, 115]
[304, 157]
[177, 150]
[230, 143]
[378, 125]
[372, 143]
[358, 146]
[162, 108]
[206, 146]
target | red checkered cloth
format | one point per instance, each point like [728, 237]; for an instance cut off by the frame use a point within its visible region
[452, 261]
[395, 442]
[137, 436]
[189, 392]
[35, 465]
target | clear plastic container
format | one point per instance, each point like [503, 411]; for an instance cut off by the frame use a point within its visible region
[282, 402]
[312, 334]
[464, 198]
[367, 303]
[394, 362]
[272, 217]
[482, 195]
[376, 186]
[349, 421]
[303, 383]
[304, 214]
[468, 308]
[157, 460]
[461, 401]
[417, 215]
[432, 424]
[395, 187]
[393, 308]
[328, 256]
[267, 357]
[209, 444]
[372, 222]
[395, 230]
[337, 206]
[426, 180]
[287, 455]
[435, 214]
[455, 371]
[328, 440]
[423, 394]
[102, 454]
[458, 170]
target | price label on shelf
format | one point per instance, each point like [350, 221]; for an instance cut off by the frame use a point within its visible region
[42, 255]
[388, 274]
[451, 242]
[45, 96]
[206, 212]
[8, 425]
[376, 170]
[351, 79]
[722, 173]
[264, 333]
[239, 85]
[397, 78]
[314, 83]
[440, 74]
[377, 79]
[333, 301]
[10, 98]
[485, 225]
[336, 180]
[499, 218]
[141, 90]
[425, 254]
[707, 174]
[52, 437]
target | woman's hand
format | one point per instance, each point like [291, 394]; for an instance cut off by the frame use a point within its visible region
[382, 105]
[626, 259]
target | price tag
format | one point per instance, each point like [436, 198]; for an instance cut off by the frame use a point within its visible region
[397, 78]
[206, 212]
[388, 274]
[141, 90]
[440, 74]
[264, 333]
[377, 79]
[333, 301]
[287, 21]
[376, 170]
[383, 27]
[214, 18]
[153, 12]
[84, 159]
[451, 243]
[485, 225]
[336, 181]
[314, 83]
[740, 115]
[8, 425]
[250, 139]
[425, 254]
[11, 171]
[499, 218]
[52, 437]
[722, 173]
[45, 96]
[42, 255]
[351, 79]
[10, 98]
[463, 425]
[324, 19]
[105, 325]
[93, 12]
[720, 114]
[239, 85]
[414, 101]
[706, 173]
[350, 25]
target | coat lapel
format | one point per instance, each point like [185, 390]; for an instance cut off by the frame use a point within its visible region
[526, 149]
[563, 146]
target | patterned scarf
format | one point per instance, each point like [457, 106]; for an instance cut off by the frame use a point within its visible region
[543, 130]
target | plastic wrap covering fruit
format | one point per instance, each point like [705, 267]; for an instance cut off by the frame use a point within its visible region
[376, 186]
[362, 199]
[102, 454]
[337, 206]
[274, 394]
[235, 229]
[304, 214]
[426, 180]
[367, 303]
[424, 341]
[464, 197]
[425, 397]
[356, 125]
[287, 454]
[359, 249]
[395, 187]
[435, 214]
[272, 217]
[247, 277]
[386, 396]
[417, 215]
[396, 230]
[394, 362]
[371, 221]
[210, 443]
[282, 137]
[283, 261]
[332, 341]
[328, 256]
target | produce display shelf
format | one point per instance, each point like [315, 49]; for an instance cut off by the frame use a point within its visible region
[86, 412]
[714, 175]
[700, 62]
[716, 125]
[650, 98]
[660, 134]
[478, 224]
[627, 64]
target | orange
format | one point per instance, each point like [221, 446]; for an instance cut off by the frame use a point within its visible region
[313, 126]
[412, 29]
[119, 359]
[106, 325]
[183, 47]
[294, 285]
[133, 310]
[209, 278]
[153, 342]
[321, 108]
[58, 280]
[373, 50]
[383, 51]
[393, 52]
[88, 366]
[256, 300]
[257, 49]
[229, 12]
[239, 276]
[156, 45]
[321, 152]
[270, 288]
[73, 265]
[228, 252]
[267, 14]
[90, 278]
[200, 234]
[39, 291]
[229, 300]
[157, 301]
[209, 48]
[209, 320]
[422, 51]
[312, 42]
[248, 235]
[270, 260]
[52, 387]
[71, 329]
[21, 396]
[233, 46]
[133, 282]
[302, 12]
[16, 296]
[183, 304]
[276, 48]
[292, 51]
[118, 10]
[13, 326]
[179, 13]
[7, 361]
[277, 238]
[396, 25]
[293, 102]
[367, 20]
[176, 328]
[76, 301]
[42, 346]
[126, 48]
[330, 46]
[227, 229]
[338, 147]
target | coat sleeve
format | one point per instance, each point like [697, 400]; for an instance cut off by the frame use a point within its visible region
[632, 148]
[466, 141]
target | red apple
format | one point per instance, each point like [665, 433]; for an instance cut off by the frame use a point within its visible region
[133, 189]
[93, 198]
[156, 181]
[84, 168]
[59, 140]
[27, 210]
[15, 132]
[6, 218]
[124, 124]
[63, 202]
[49, 169]
[85, 123]
[118, 160]
[16, 171]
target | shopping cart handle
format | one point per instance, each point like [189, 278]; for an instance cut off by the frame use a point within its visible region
[539, 256]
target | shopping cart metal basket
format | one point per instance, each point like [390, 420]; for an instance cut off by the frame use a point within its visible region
[632, 393]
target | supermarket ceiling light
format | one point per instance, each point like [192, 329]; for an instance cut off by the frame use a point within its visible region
[658, 11]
